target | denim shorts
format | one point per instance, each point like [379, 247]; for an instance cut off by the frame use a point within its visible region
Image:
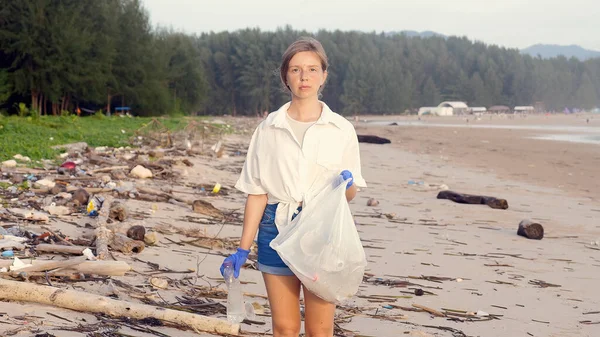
[269, 261]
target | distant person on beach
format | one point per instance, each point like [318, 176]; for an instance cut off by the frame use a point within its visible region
[290, 150]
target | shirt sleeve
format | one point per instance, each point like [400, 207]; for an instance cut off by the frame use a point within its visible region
[249, 180]
[351, 159]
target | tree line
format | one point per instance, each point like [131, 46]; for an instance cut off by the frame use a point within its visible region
[60, 55]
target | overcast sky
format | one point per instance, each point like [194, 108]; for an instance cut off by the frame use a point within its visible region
[509, 23]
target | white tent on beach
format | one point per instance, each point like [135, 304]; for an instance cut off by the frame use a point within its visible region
[458, 108]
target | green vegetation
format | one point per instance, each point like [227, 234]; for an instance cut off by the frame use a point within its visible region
[34, 136]
[62, 54]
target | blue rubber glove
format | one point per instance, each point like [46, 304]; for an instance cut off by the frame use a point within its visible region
[347, 175]
[237, 259]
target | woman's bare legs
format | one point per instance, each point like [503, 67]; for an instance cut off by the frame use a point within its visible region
[284, 299]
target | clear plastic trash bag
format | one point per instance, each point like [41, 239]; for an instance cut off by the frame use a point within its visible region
[322, 247]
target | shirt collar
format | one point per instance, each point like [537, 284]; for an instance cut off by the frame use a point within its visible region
[327, 116]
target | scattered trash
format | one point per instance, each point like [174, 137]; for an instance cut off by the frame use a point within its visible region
[8, 253]
[159, 283]
[235, 298]
[151, 238]
[73, 147]
[94, 205]
[44, 183]
[22, 158]
[141, 172]
[9, 163]
[217, 188]
[57, 210]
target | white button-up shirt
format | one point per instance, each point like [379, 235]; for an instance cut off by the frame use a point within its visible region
[290, 173]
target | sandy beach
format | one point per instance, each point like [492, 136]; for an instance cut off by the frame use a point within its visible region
[466, 258]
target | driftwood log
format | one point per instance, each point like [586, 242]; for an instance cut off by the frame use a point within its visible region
[86, 302]
[151, 191]
[126, 245]
[373, 139]
[52, 265]
[7, 244]
[473, 199]
[106, 236]
[103, 234]
[104, 268]
[530, 230]
[47, 248]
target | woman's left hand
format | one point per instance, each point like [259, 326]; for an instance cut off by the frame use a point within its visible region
[347, 175]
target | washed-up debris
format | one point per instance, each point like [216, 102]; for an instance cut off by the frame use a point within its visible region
[543, 284]
[206, 208]
[140, 172]
[58, 210]
[373, 139]
[151, 238]
[473, 199]
[90, 190]
[83, 301]
[372, 202]
[22, 158]
[73, 147]
[9, 163]
[44, 183]
[530, 230]
[159, 283]
[118, 211]
[81, 196]
[136, 233]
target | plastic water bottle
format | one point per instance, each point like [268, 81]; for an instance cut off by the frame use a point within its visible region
[235, 298]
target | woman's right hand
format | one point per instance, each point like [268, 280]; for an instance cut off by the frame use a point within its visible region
[237, 259]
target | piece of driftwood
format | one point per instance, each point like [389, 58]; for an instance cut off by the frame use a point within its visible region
[530, 230]
[103, 234]
[462, 198]
[162, 194]
[126, 245]
[108, 169]
[373, 139]
[53, 265]
[151, 198]
[429, 310]
[118, 211]
[206, 208]
[86, 302]
[7, 244]
[105, 268]
[47, 248]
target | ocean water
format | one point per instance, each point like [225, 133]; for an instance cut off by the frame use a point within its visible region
[586, 129]
[577, 134]
[586, 139]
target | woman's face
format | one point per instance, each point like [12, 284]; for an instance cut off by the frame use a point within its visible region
[305, 75]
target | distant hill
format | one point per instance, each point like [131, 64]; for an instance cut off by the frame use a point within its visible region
[414, 33]
[552, 50]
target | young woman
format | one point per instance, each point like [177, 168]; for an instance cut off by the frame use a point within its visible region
[293, 149]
